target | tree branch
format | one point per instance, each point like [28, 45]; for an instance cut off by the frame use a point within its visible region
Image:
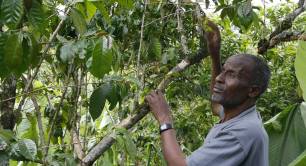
[39, 122]
[44, 54]
[130, 121]
[286, 37]
[264, 44]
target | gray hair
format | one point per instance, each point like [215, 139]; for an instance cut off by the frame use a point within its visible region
[260, 73]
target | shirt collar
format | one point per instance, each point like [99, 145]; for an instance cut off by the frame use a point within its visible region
[243, 113]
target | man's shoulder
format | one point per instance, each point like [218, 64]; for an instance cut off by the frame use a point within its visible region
[248, 131]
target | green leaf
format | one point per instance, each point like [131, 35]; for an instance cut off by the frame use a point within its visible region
[7, 135]
[244, 9]
[27, 127]
[90, 10]
[288, 140]
[23, 150]
[300, 66]
[13, 57]
[128, 4]
[113, 97]
[11, 12]
[78, 21]
[3, 68]
[101, 7]
[155, 48]
[68, 52]
[124, 137]
[37, 16]
[101, 60]
[27, 148]
[31, 49]
[97, 100]
[300, 160]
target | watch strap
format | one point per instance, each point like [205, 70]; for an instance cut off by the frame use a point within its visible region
[164, 127]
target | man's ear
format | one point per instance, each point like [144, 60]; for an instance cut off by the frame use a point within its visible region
[254, 91]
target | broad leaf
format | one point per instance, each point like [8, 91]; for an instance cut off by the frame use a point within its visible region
[68, 52]
[300, 160]
[13, 57]
[124, 139]
[101, 7]
[11, 12]
[3, 69]
[7, 135]
[78, 21]
[300, 66]
[128, 4]
[98, 99]
[27, 127]
[155, 48]
[23, 150]
[287, 136]
[37, 16]
[101, 60]
[245, 9]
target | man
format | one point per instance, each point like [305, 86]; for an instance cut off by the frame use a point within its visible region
[239, 139]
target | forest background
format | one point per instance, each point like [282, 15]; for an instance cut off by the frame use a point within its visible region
[74, 74]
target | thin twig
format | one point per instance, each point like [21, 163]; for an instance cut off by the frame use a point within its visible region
[46, 49]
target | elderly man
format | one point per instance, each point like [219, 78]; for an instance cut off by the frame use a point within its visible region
[239, 139]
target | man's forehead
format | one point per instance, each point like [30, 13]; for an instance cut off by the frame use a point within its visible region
[238, 63]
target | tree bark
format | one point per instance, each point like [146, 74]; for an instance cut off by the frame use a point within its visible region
[8, 95]
[265, 44]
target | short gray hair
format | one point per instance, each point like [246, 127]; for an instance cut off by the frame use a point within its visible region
[261, 72]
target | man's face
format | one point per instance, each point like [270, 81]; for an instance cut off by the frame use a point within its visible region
[232, 84]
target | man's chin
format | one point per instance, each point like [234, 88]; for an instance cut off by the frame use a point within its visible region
[216, 98]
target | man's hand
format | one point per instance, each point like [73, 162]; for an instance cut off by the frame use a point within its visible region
[159, 107]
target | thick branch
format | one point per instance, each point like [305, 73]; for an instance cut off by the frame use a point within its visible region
[8, 118]
[286, 37]
[264, 44]
[77, 144]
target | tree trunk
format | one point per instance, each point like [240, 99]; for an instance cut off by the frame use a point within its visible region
[7, 97]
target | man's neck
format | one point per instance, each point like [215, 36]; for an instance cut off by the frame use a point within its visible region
[231, 112]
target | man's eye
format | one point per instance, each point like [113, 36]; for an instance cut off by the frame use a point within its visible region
[231, 74]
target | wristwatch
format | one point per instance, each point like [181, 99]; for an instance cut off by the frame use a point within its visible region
[164, 127]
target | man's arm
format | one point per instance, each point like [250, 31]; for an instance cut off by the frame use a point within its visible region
[213, 38]
[171, 149]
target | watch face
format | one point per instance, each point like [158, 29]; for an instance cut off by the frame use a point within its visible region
[165, 127]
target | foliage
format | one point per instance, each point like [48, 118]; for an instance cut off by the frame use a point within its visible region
[286, 134]
[87, 76]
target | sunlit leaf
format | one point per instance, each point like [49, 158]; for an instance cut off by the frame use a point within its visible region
[23, 150]
[300, 66]
[78, 21]
[101, 7]
[27, 128]
[245, 8]
[7, 135]
[300, 160]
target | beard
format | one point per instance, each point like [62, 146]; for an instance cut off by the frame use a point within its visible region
[225, 102]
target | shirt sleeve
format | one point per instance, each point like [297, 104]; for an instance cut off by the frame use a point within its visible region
[224, 149]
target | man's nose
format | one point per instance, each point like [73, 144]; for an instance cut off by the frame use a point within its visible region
[220, 77]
